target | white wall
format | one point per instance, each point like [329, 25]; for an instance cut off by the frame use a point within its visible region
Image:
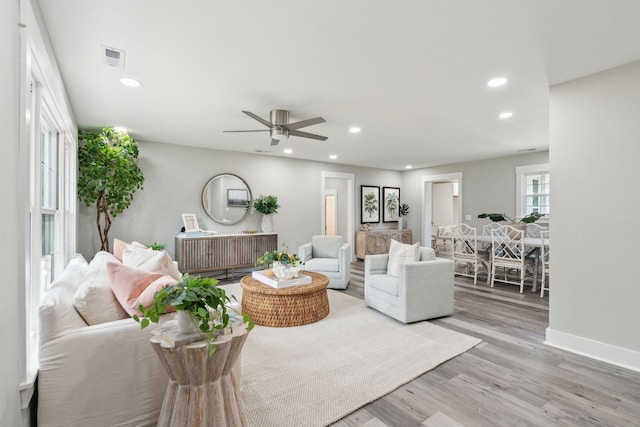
[595, 150]
[12, 327]
[175, 176]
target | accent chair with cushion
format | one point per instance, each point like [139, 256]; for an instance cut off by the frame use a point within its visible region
[328, 255]
[409, 284]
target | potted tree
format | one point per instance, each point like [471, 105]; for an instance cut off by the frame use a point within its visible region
[267, 206]
[200, 304]
[108, 175]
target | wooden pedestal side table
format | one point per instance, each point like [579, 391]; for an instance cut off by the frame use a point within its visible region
[202, 391]
[294, 306]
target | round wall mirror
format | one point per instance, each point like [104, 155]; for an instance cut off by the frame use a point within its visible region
[225, 198]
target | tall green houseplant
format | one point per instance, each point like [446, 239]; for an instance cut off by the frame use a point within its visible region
[108, 175]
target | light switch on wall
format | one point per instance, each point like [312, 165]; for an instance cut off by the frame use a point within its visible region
[467, 218]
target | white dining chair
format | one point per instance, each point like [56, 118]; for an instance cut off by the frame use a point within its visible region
[465, 251]
[544, 257]
[443, 235]
[487, 228]
[534, 230]
[508, 253]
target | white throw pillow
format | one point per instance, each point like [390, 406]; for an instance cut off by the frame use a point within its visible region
[162, 263]
[400, 253]
[94, 298]
[134, 256]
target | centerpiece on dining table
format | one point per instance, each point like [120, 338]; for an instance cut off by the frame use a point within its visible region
[281, 269]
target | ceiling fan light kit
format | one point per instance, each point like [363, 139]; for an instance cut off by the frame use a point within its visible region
[280, 128]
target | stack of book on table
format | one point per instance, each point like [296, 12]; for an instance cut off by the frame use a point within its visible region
[268, 278]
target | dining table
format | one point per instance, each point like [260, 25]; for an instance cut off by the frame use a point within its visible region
[532, 247]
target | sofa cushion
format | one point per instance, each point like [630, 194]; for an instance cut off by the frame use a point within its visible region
[385, 283]
[159, 262]
[322, 264]
[400, 253]
[56, 312]
[133, 256]
[133, 287]
[427, 254]
[94, 298]
[120, 245]
[326, 246]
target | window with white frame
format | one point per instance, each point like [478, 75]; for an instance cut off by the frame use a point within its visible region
[532, 190]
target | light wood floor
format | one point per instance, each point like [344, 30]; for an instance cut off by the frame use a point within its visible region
[511, 378]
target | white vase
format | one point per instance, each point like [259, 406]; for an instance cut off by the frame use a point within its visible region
[267, 223]
[400, 223]
[186, 324]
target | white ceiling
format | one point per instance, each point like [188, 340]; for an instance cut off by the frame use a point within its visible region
[412, 74]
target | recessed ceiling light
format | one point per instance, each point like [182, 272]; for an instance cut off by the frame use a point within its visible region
[288, 150]
[498, 81]
[354, 129]
[408, 167]
[129, 82]
[333, 157]
[505, 115]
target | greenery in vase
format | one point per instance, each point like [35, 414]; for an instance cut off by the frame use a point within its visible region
[404, 210]
[201, 298]
[497, 217]
[283, 257]
[266, 205]
[108, 175]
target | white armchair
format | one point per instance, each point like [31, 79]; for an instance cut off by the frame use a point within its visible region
[328, 255]
[423, 289]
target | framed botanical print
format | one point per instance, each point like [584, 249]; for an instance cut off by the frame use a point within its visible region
[391, 203]
[369, 204]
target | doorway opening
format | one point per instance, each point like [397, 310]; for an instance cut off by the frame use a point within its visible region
[441, 202]
[341, 186]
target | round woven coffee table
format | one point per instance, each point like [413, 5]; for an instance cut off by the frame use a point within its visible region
[294, 306]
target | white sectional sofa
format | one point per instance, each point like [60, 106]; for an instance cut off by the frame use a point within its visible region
[104, 374]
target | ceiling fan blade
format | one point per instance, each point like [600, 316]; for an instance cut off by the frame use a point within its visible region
[274, 142]
[258, 118]
[307, 135]
[305, 123]
[261, 130]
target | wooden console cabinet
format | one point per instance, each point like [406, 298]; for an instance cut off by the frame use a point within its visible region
[377, 241]
[200, 253]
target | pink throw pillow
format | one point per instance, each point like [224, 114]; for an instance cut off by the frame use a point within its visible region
[133, 287]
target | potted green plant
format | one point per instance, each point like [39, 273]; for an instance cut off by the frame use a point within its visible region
[198, 300]
[108, 175]
[402, 212]
[267, 206]
[157, 246]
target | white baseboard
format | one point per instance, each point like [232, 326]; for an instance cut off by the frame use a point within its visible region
[608, 353]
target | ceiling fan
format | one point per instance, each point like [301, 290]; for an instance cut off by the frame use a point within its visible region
[280, 128]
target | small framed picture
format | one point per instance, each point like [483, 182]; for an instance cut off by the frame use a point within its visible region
[370, 204]
[190, 222]
[391, 200]
[237, 197]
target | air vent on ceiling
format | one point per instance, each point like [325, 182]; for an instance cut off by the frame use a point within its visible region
[112, 57]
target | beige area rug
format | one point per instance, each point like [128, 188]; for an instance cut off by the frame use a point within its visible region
[316, 374]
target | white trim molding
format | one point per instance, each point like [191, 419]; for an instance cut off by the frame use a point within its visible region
[427, 192]
[593, 349]
[520, 184]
